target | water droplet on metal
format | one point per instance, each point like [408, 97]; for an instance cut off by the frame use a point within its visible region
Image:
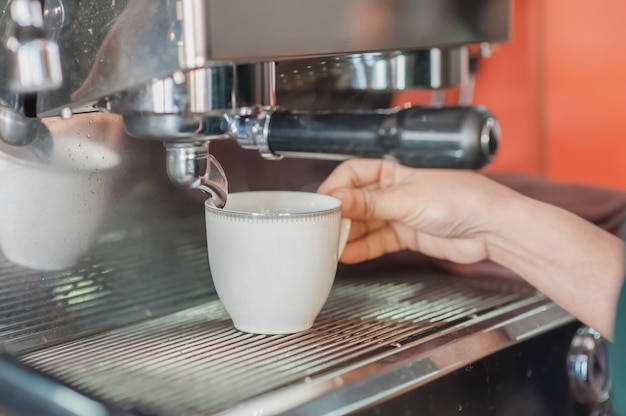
[66, 113]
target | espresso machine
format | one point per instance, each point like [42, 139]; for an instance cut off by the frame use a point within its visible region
[197, 98]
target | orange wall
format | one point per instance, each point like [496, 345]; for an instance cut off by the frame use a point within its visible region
[586, 97]
[509, 84]
[559, 90]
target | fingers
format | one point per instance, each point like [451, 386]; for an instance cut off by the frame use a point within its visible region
[395, 208]
[357, 183]
[355, 174]
[372, 245]
[360, 228]
[374, 204]
[366, 189]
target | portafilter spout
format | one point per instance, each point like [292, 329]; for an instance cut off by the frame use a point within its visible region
[191, 166]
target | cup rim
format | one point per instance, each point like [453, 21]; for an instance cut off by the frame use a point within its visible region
[269, 215]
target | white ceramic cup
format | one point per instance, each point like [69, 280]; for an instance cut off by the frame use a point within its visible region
[273, 257]
[50, 212]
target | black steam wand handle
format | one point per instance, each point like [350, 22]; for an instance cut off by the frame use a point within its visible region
[424, 137]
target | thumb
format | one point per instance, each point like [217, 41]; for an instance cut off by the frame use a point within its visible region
[367, 204]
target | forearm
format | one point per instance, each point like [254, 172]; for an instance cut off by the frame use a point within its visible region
[578, 265]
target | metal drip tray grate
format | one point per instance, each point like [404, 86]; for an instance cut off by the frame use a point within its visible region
[130, 272]
[195, 362]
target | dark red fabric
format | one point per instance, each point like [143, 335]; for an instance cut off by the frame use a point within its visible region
[604, 207]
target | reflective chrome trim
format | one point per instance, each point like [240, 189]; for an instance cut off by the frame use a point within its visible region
[588, 367]
[108, 46]
[251, 130]
[431, 68]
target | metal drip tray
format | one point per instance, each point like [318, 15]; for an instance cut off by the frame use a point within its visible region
[132, 274]
[376, 338]
[137, 325]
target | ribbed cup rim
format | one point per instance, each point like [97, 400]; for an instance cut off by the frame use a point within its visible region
[275, 215]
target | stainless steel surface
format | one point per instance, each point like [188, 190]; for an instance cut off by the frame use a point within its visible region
[31, 59]
[192, 106]
[136, 320]
[190, 166]
[433, 68]
[175, 69]
[145, 40]
[149, 255]
[375, 338]
[18, 130]
[29, 63]
[205, 91]
[252, 131]
[127, 277]
[31, 393]
[588, 367]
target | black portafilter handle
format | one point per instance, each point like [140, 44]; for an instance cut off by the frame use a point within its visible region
[422, 137]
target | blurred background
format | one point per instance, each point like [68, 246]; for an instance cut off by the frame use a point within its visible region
[559, 91]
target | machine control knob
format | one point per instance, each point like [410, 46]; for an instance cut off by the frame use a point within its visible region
[588, 369]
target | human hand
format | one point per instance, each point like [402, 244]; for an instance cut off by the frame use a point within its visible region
[441, 213]
[465, 217]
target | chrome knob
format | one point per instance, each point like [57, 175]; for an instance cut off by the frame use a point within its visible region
[34, 60]
[588, 368]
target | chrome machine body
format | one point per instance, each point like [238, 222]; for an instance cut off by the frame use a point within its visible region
[134, 326]
[189, 71]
